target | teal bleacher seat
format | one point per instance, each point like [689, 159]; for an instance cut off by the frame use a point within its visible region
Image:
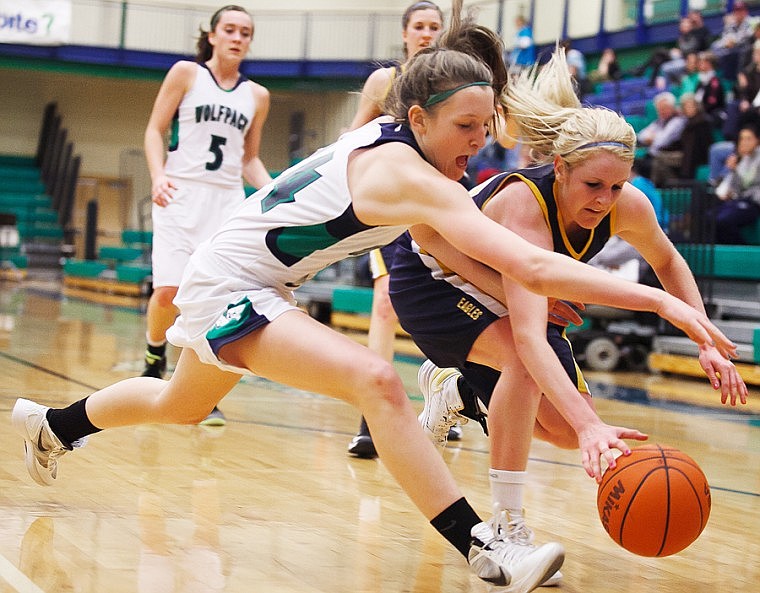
[352, 299]
[134, 237]
[134, 273]
[702, 173]
[119, 253]
[83, 268]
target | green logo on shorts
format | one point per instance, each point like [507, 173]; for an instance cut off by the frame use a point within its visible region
[231, 320]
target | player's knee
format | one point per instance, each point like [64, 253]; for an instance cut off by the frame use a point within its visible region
[561, 435]
[554, 429]
[383, 309]
[382, 385]
[163, 296]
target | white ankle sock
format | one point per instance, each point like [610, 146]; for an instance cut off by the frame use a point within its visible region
[507, 489]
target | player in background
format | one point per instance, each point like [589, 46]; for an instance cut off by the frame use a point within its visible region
[216, 116]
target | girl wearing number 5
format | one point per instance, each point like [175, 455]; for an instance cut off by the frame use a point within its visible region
[216, 116]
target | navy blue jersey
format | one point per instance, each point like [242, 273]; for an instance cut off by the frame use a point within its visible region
[445, 314]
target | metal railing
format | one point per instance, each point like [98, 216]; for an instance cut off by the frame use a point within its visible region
[363, 34]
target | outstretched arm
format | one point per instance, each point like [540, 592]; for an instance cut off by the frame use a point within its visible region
[418, 194]
[639, 227]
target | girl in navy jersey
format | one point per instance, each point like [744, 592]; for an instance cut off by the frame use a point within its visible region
[238, 315]
[572, 202]
[215, 116]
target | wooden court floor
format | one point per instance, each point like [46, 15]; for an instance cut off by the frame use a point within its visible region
[272, 502]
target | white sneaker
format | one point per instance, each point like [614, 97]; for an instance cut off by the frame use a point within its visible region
[41, 446]
[512, 526]
[504, 563]
[442, 401]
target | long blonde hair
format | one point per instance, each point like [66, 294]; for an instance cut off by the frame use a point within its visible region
[551, 121]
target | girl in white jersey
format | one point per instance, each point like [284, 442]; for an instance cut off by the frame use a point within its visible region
[215, 116]
[238, 316]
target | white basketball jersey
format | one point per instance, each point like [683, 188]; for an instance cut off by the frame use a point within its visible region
[302, 221]
[208, 131]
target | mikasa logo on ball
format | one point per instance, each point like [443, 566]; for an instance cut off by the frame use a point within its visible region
[612, 503]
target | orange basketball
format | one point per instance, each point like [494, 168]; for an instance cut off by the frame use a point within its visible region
[655, 502]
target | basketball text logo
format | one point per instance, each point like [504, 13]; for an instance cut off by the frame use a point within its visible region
[611, 503]
[469, 309]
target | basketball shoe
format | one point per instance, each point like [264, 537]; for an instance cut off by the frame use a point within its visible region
[512, 526]
[446, 407]
[361, 445]
[42, 447]
[442, 402]
[514, 567]
[455, 432]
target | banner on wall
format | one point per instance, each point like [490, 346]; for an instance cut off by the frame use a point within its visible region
[36, 22]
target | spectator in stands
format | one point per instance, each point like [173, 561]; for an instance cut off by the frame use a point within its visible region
[662, 138]
[700, 30]
[523, 53]
[745, 56]
[739, 191]
[696, 137]
[733, 40]
[689, 42]
[745, 107]
[649, 189]
[576, 62]
[709, 91]
[607, 69]
[690, 76]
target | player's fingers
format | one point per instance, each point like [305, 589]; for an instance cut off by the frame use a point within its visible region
[729, 385]
[717, 338]
[586, 461]
[630, 433]
[561, 321]
[712, 377]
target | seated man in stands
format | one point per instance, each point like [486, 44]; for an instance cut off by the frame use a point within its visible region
[662, 138]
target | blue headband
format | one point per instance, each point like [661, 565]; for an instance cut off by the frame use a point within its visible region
[443, 95]
[604, 143]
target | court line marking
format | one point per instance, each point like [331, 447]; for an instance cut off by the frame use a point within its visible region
[15, 578]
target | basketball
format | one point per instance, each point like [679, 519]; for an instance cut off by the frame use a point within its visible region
[655, 502]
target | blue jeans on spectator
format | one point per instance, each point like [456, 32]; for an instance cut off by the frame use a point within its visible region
[733, 215]
[719, 152]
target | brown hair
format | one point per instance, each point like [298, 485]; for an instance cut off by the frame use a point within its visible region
[466, 53]
[411, 9]
[204, 49]
[418, 6]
